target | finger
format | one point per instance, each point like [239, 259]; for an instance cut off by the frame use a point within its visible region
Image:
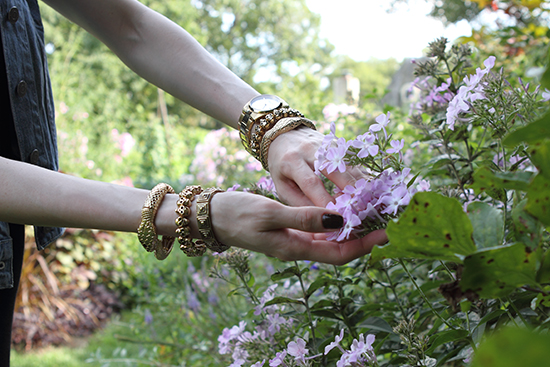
[307, 219]
[339, 253]
[289, 192]
[343, 179]
[311, 185]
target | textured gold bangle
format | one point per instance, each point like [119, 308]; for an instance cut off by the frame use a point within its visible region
[147, 233]
[204, 220]
[189, 246]
[264, 124]
[282, 126]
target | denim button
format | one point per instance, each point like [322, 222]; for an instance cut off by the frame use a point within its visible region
[33, 158]
[13, 14]
[2, 265]
[21, 88]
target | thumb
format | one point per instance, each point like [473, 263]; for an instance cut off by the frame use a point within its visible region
[311, 219]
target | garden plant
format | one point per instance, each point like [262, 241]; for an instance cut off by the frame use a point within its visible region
[461, 184]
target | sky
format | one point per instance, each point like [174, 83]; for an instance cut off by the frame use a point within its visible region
[363, 29]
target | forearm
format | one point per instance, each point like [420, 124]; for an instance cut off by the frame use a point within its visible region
[37, 196]
[163, 53]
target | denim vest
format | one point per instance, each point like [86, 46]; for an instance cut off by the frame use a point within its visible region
[32, 108]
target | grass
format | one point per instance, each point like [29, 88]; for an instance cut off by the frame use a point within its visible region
[102, 348]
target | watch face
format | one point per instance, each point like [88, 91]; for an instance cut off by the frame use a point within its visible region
[265, 103]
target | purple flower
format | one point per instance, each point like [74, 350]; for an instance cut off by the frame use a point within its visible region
[268, 295]
[258, 364]
[266, 183]
[148, 317]
[335, 343]
[381, 122]
[298, 350]
[546, 95]
[351, 221]
[366, 145]
[335, 157]
[278, 360]
[396, 146]
[395, 199]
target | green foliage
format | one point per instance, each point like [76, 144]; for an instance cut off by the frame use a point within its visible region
[432, 227]
[513, 347]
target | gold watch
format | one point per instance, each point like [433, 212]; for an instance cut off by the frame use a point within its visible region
[258, 116]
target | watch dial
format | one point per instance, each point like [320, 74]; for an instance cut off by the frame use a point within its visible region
[265, 103]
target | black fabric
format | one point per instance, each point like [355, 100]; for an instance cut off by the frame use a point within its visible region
[7, 296]
[8, 140]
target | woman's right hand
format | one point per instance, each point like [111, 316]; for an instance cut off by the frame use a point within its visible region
[257, 223]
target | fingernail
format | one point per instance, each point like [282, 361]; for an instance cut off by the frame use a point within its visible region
[333, 221]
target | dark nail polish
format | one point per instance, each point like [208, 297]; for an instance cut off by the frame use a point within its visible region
[333, 221]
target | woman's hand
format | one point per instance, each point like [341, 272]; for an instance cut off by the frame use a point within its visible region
[263, 225]
[291, 157]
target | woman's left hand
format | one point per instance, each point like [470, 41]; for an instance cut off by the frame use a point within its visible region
[291, 163]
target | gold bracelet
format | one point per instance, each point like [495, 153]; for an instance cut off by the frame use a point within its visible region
[183, 210]
[204, 220]
[264, 124]
[147, 232]
[282, 126]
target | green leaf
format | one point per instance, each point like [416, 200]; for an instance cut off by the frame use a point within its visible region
[538, 199]
[283, 300]
[513, 347]
[531, 133]
[488, 223]
[494, 273]
[540, 156]
[376, 323]
[493, 182]
[491, 316]
[432, 227]
[287, 273]
[527, 228]
[446, 336]
[543, 275]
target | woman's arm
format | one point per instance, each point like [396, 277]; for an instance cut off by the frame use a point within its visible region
[33, 195]
[168, 56]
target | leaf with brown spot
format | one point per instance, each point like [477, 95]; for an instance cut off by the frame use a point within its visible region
[504, 272]
[443, 218]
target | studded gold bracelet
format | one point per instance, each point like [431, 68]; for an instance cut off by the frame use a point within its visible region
[282, 126]
[190, 247]
[147, 232]
[264, 124]
[204, 220]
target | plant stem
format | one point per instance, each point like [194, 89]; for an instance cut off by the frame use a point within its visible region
[306, 300]
[424, 296]
[392, 287]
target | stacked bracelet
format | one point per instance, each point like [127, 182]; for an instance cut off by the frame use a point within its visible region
[205, 222]
[264, 124]
[187, 245]
[282, 126]
[147, 233]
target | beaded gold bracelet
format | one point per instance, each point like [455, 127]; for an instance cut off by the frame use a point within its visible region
[282, 126]
[205, 222]
[147, 232]
[264, 124]
[190, 247]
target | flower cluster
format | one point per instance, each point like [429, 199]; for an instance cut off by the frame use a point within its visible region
[371, 202]
[471, 91]
[237, 341]
[361, 352]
